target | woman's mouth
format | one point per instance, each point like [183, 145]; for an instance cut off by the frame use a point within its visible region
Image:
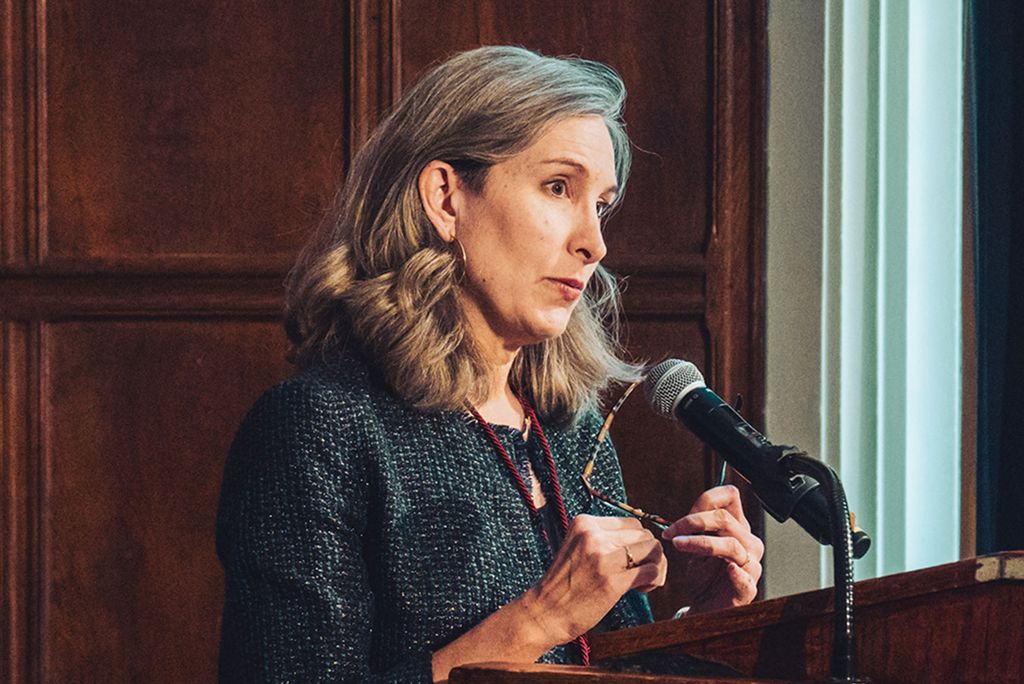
[569, 288]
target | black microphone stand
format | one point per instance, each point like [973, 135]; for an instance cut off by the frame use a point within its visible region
[844, 663]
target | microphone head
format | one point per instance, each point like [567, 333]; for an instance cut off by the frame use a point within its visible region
[668, 382]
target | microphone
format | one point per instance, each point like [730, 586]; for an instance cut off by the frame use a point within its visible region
[676, 388]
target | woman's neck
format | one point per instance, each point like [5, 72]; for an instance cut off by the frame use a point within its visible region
[501, 406]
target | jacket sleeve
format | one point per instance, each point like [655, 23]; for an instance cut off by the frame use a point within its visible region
[298, 605]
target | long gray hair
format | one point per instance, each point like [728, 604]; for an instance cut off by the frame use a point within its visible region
[378, 272]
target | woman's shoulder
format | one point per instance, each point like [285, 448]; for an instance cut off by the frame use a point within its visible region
[301, 448]
[331, 398]
[310, 433]
[341, 383]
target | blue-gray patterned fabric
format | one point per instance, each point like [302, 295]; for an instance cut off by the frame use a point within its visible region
[359, 535]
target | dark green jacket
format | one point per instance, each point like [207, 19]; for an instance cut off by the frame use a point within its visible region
[358, 535]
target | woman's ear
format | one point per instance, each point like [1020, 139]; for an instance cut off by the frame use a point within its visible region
[438, 185]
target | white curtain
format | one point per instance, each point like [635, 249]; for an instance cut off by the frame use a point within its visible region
[889, 284]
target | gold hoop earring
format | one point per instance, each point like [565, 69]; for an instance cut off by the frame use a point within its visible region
[460, 260]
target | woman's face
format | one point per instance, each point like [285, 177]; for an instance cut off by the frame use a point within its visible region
[533, 236]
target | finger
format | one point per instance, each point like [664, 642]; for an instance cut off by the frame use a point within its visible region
[743, 584]
[726, 548]
[605, 522]
[754, 569]
[632, 537]
[613, 550]
[646, 577]
[660, 580]
[725, 496]
[640, 552]
[712, 521]
[650, 552]
[718, 521]
[598, 541]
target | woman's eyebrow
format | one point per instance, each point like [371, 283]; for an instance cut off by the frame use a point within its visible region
[582, 169]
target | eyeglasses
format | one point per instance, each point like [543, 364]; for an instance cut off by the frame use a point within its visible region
[655, 520]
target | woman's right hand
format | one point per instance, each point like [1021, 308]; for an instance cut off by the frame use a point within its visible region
[600, 559]
[587, 577]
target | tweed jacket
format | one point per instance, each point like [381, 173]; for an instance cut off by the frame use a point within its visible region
[358, 535]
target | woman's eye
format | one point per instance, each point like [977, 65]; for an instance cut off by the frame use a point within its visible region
[558, 188]
[602, 209]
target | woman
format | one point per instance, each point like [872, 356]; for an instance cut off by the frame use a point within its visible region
[410, 499]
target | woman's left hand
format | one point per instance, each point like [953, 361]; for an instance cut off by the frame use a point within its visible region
[723, 557]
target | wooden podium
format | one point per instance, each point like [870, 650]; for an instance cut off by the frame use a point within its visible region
[956, 623]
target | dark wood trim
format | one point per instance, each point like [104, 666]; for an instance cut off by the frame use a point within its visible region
[14, 519]
[48, 297]
[372, 89]
[267, 264]
[736, 250]
[685, 264]
[38, 455]
[539, 673]
[37, 200]
[36, 492]
[10, 123]
[163, 264]
[670, 295]
[22, 509]
[20, 71]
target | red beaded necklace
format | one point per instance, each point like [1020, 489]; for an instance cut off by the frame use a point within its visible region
[527, 495]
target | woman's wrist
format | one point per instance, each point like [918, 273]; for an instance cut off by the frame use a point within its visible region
[535, 623]
[517, 632]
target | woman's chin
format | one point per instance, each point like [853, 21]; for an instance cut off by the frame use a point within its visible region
[548, 329]
[525, 331]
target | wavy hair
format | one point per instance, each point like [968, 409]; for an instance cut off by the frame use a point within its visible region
[377, 272]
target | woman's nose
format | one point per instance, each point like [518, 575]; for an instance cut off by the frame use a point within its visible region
[589, 238]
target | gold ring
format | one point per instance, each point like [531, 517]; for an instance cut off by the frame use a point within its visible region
[630, 561]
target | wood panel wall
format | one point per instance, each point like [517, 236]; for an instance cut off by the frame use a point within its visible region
[161, 163]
